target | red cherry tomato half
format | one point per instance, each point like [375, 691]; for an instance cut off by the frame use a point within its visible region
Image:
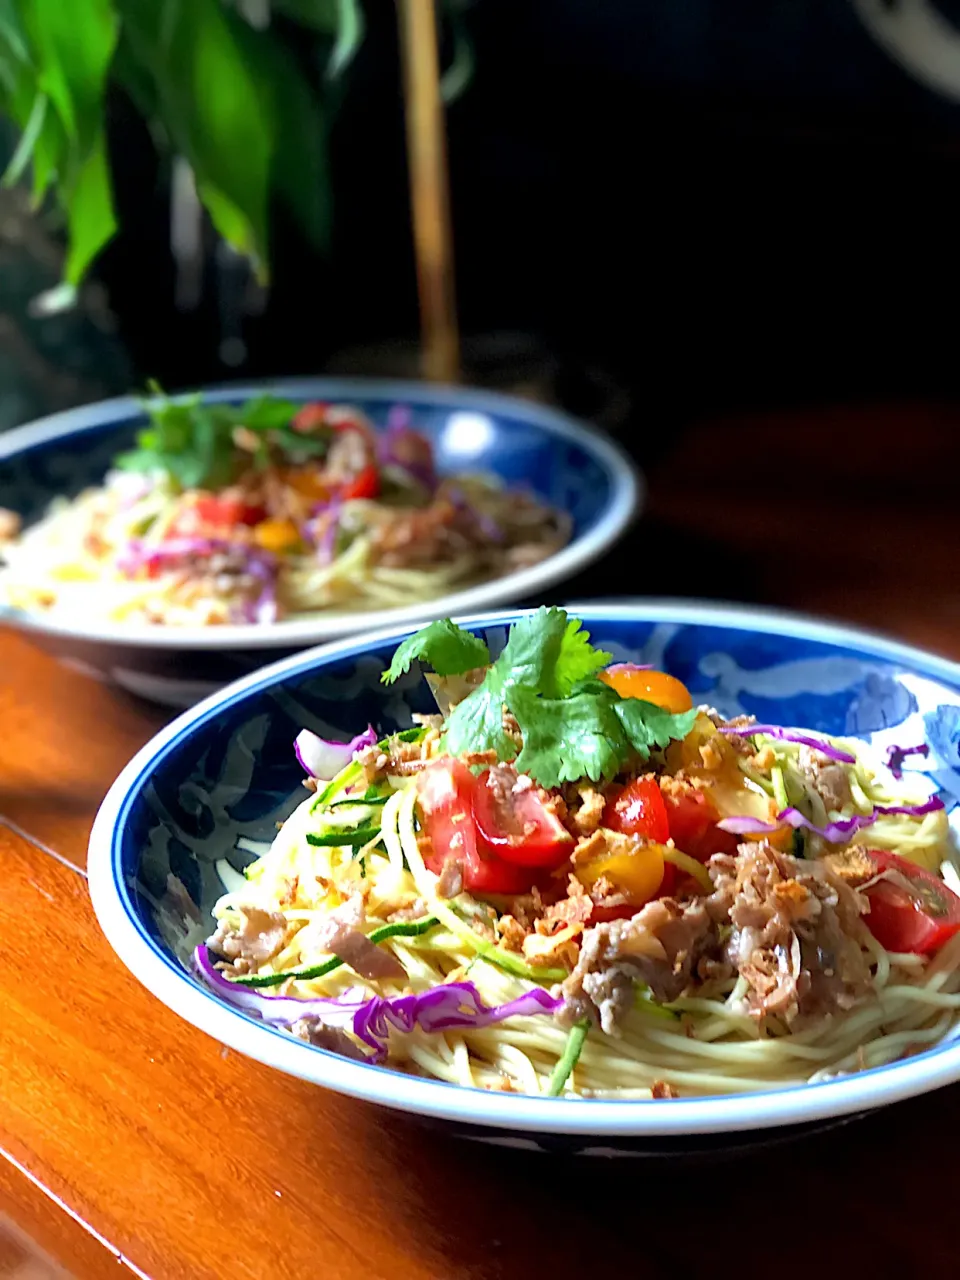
[366, 485]
[208, 511]
[638, 810]
[692, 818]
[913, 910]
[516, 825]
[310, 417]
[445, 789]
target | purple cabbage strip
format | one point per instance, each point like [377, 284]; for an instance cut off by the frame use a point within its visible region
[789, 735]
[260, 564]
[896, 756]
[486, 524]
[402, 447]
[834, 832]
[628, 666]
[455, 1004]
[323, 758]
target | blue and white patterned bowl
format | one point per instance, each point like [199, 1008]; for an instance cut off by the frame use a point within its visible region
[570, 465]
[226, 770]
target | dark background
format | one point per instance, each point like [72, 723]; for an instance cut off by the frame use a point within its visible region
[669, 209]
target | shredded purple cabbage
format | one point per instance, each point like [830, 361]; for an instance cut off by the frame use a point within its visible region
[896, 756]
[615, 667]
[323, 758]
[837, 832]
[455, 1004]
[402, 447]
[260, 564]
[322, 528]
[487, 526]
[789, 735]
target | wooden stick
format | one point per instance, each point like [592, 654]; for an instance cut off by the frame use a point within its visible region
[429, 191]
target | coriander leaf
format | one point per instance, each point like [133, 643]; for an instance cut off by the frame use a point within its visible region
[578, 659]
[647, 725]
[448, 648]
[476, 723]
[565, 739]
[548, 652]
[265, 412]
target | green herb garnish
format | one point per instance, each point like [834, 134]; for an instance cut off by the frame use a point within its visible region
[569, 1058]
[356, 837]
[193, 442]
[449, 650]
[573, 725]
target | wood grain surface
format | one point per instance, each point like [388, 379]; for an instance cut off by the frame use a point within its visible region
[134, 1143]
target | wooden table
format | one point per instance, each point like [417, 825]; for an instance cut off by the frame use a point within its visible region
[129, 1135]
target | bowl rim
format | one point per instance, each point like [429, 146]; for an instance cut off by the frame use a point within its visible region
[628, 491]
[600, 1119]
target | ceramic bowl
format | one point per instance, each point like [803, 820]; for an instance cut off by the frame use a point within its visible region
[571, 465]
[226, 770]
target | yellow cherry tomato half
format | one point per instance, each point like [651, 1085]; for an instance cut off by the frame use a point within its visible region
[636, 869]
[631, 681]
[276, 535]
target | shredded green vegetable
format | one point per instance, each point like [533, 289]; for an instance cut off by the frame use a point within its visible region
[401, 929]
[356, 837]
[569, 1058]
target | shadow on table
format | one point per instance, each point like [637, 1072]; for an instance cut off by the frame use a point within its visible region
[812, 1207]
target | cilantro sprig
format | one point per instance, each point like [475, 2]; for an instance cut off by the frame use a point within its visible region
[193, 442]
[573, 725]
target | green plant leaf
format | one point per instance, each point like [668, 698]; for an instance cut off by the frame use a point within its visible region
[350, 30]
[458, 75]
[28, 141]
[213, 106]
[321, 15]
[299, 168]
[90, 218]
[73, 52]
[11, 31]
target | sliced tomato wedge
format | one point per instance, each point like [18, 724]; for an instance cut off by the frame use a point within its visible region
[638, 810]
[692, 818]
[913, 910]
[210, 511]
[514, 823]
[446, 790]
[310, 417]
[366, 485]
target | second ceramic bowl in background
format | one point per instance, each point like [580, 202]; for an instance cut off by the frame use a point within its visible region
[569, 464]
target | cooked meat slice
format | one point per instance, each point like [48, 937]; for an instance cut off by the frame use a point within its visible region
[450, 882]
[355, 949]
[339, 933]
[828, 779]
[415, 911]
[790, 928]
[332, 1038]
[659, 946]
[260, 936]
[796, 935]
